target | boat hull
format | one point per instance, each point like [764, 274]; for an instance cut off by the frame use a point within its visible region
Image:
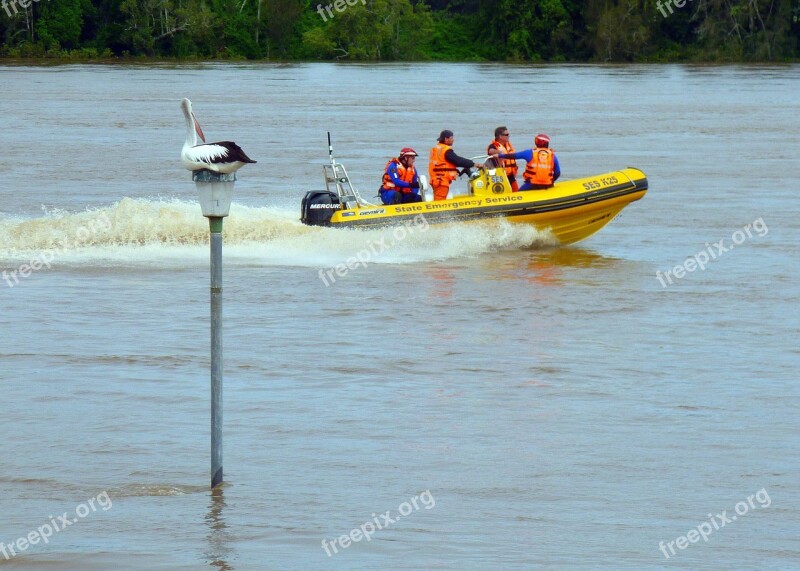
[571, 211]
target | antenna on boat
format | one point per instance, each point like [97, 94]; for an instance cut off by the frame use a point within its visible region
[337, 180]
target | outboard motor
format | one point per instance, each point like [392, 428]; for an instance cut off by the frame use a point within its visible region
[318, 207]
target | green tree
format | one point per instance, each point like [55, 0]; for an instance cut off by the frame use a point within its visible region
[282, 19]
[168, 27]
[517, 30]
[542, 29]
[374, 30]
[622, 29]
[60, 24]
[745, 29]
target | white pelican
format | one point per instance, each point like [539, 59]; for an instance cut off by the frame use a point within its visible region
[222, 157]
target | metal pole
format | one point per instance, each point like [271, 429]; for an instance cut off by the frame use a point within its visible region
[215, 225]
[214, 191]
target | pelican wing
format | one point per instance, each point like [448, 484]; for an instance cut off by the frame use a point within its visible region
[210, 154]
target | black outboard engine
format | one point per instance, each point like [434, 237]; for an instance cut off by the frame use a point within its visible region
[318, 207]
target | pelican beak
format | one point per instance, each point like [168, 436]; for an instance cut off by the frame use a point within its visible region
[197, 129]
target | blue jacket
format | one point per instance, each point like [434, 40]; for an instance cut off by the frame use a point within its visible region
[392, 172]
[527, 154]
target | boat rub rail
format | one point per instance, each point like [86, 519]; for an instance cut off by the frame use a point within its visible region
[605, 193]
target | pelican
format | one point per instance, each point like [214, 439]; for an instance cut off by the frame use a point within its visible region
[222, 157]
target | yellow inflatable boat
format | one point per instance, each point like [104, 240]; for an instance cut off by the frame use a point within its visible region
[571, 210]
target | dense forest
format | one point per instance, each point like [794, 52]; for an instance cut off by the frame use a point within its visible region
[404, 30]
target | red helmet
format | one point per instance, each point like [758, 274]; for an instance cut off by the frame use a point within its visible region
[408, 152]
[542, 140]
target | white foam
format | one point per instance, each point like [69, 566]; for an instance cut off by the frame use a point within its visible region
[156, 232]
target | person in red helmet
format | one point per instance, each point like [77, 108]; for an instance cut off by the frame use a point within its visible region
[542, 169]
[400, 183]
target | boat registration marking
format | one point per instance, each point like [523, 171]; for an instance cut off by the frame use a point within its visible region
[600, 182]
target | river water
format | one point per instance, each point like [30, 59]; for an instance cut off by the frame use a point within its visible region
[518, 406]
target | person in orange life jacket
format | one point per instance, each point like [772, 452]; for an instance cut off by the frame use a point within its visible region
[502, 144]
[542, 169]
[400, 181]
[444, 163]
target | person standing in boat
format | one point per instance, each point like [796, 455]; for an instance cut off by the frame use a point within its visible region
[444, 163]
[400, 180]
[542, 169]
[502, 144]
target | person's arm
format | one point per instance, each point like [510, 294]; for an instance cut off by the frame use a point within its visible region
[527, 155]
[452, 157]
[492, 149]
[556, 168]
[415, 181]
[398, 182]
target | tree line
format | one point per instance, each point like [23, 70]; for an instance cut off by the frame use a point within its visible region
[404, 30]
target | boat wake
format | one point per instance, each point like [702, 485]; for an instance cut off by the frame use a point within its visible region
[173, 233]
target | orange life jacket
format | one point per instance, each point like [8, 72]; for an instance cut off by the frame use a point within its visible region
[510, 165]
[406, 174]
[442, 172]
[540, 169]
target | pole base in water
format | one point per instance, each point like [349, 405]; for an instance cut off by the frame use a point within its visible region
[216, 479]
